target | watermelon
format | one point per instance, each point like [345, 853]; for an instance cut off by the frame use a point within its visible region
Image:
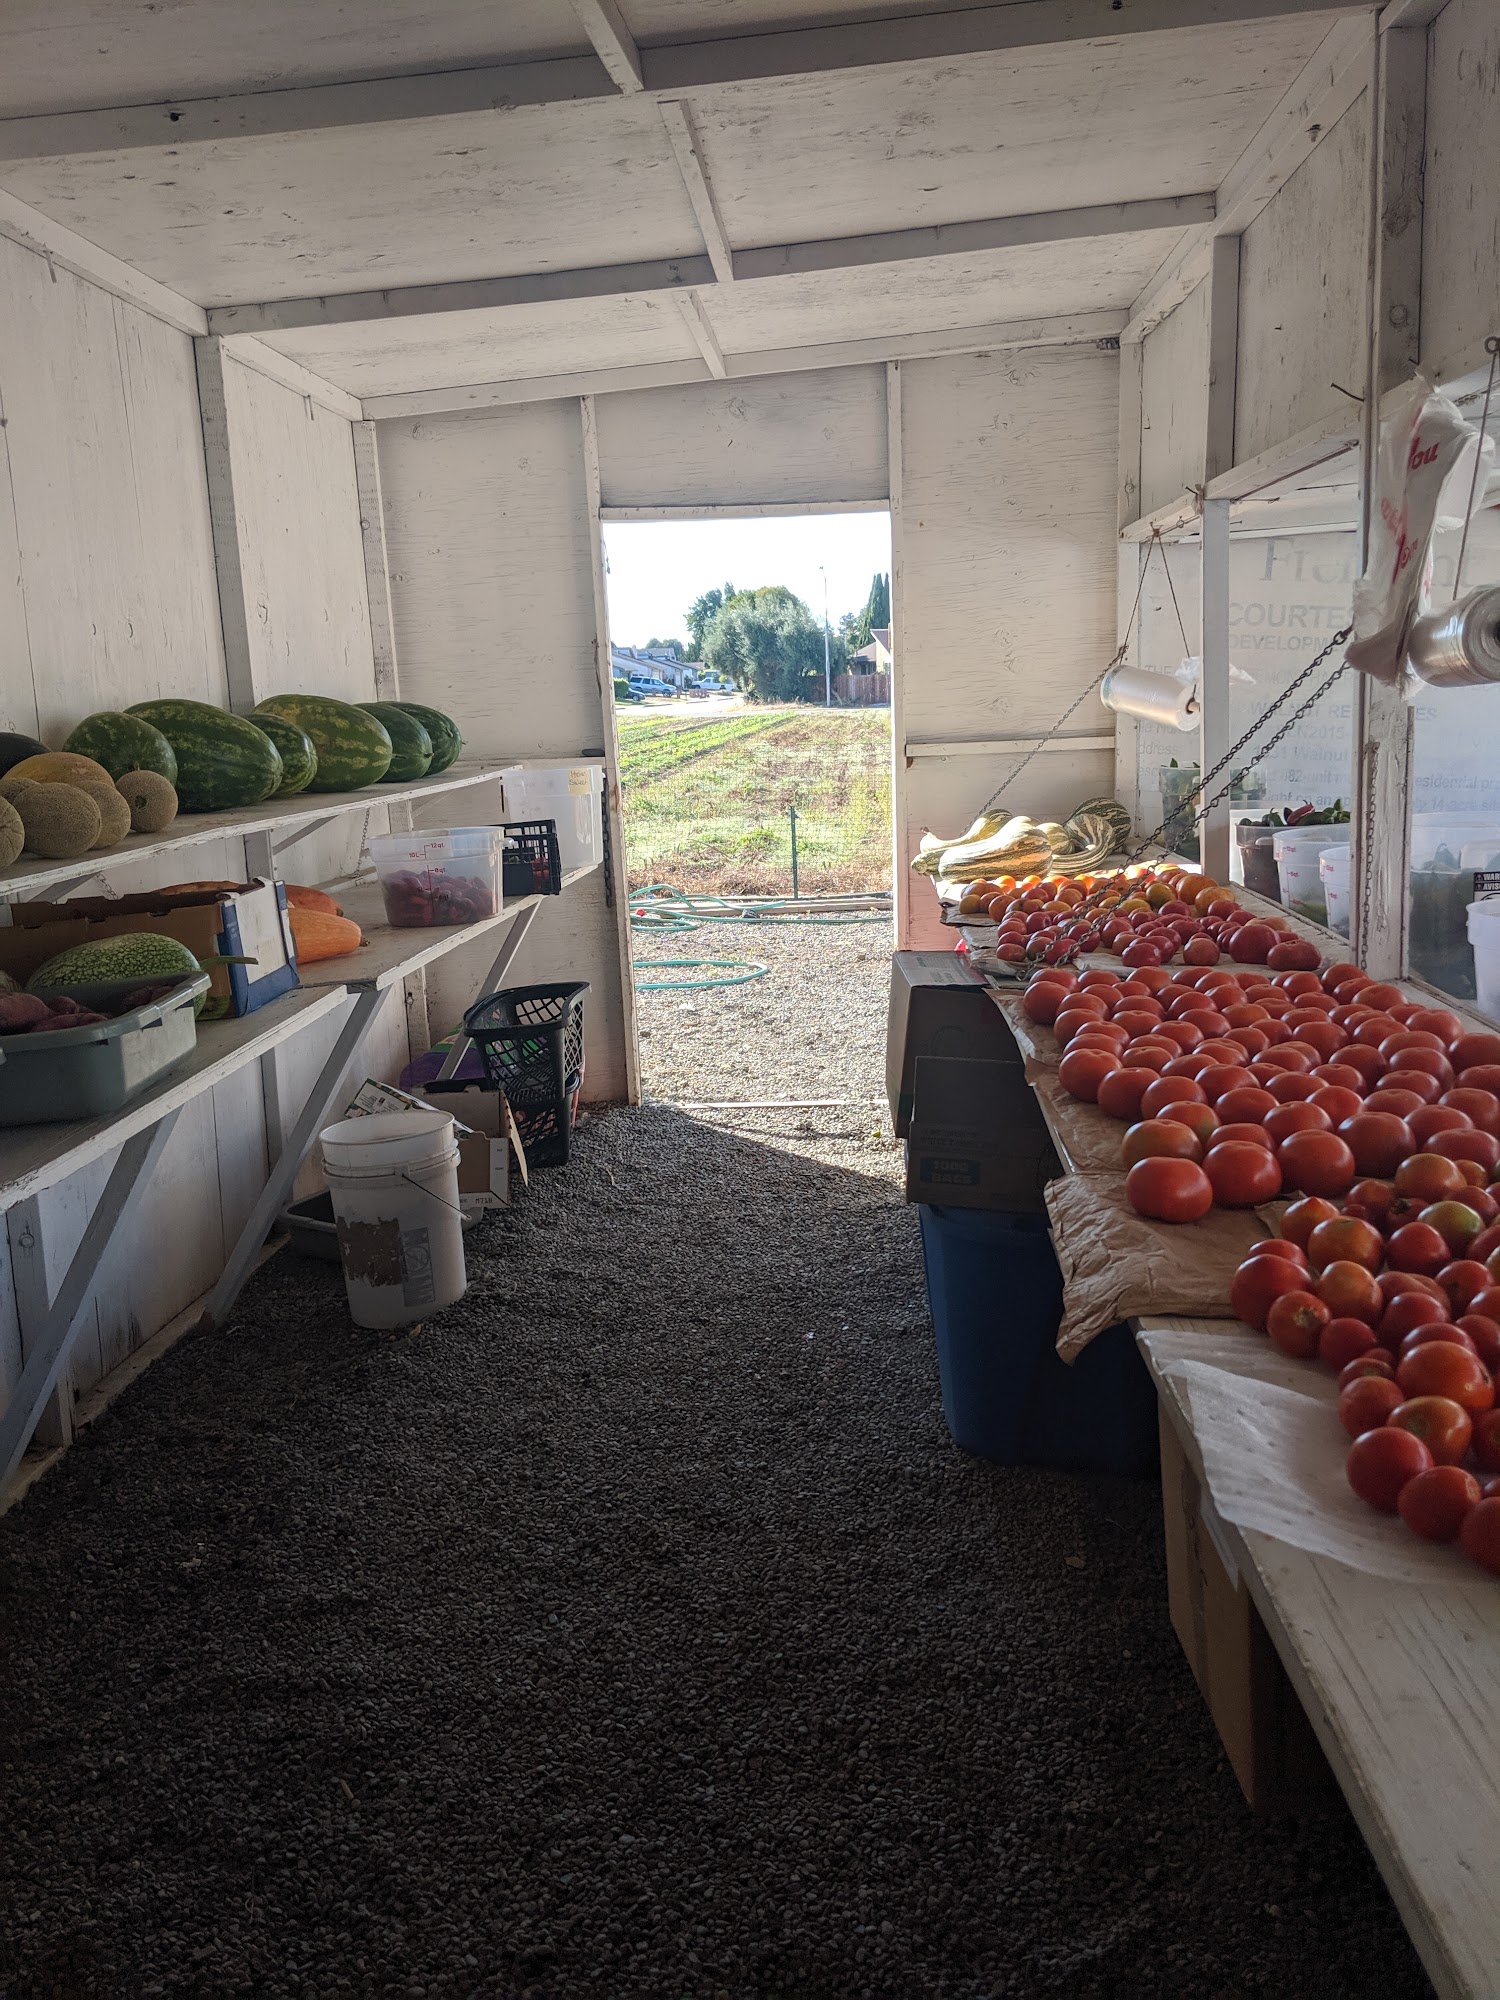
[15, 749]
[446, 741]
[299, 760]
[223, 761]
[133, 955]
[123, 743]
[354, 748]
[411, 745]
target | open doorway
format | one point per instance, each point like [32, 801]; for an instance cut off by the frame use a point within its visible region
[752, 666]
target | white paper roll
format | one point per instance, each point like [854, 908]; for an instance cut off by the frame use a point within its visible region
[1459, 647]
[1161, 698]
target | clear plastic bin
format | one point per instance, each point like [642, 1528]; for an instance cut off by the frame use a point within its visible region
[1333, 866]
[448, 875]
[572, 795]
[1484, 936]
[1297, 851]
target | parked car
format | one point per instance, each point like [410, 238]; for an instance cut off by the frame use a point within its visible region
[651, 684]
[624, 691]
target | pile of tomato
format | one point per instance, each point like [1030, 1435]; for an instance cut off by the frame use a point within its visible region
[1150, 916]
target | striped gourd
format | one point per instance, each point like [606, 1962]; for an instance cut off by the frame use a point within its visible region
[354, 748]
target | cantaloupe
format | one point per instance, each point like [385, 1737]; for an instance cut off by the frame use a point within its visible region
[59, 820]
[57, 767]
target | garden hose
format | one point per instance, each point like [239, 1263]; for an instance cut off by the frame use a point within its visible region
[740, 971]
[661, 907]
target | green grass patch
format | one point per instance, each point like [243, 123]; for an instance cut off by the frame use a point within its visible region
[707, 804]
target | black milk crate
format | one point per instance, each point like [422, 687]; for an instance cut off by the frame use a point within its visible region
[530, 1040]
[533, 867]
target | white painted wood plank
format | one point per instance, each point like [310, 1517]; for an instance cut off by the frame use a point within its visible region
[613, 42]
[1063, 744]
[903, 842]
[10, 1327]
[744, 510]
[377, 561]
[1302, 289]
[1461, 218]
[1213, 682]
[787, 438]
[65, 251]
[701, 332]
[1223, 288]
[1174, 402]
[262, 360]
[678, 120]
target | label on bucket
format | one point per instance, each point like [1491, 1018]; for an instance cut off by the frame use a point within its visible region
[418, 1287]
[1486, 884]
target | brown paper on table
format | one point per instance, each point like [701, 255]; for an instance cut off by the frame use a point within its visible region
[1089, 1141]
[1118, 1265]
[1045, 1054]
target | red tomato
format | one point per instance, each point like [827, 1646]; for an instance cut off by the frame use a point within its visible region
[1375, 1361]
[1417, 1246]
[1374, 1197]
[1454, 1221]
[1343, 1341]
[1380, 1462]
[1429, 1176]
[1434, 1504]
[1463, 1280]
[1153, 1055]
[1169, 1190]
[1482, 1147]
[1413, 1083]
[1292, 1087]
[1242, 1176]
[1295, 1322]
[1336, 1104]
[1480, 1107]
[1479, 1537]
[1445, 1427]
[1318, 1163]
[1119, 1092]
[1241, 1135]
[1167, 1090]
[1487, 1440]
[1135, 1020]
[1378, 1141]
[1484, 1330]
[1350, 1292]
[1432, 1331]
[1432, 1061]
[1247, 1106]
[1366, 1402]
[1289, 1118]
[1081, 1072]
[1478, 1046]
[1252, 943]
[1303, 1217]
[1396, 1103]
[1183, 1033]
[1405, 1314]
[1345, 1240]
[1043, 1000]
[1221, 1077]
[1481, 1076]
[1445, 1369]
[1292, 954]
[1200, 1119]
[1158, 1138]
[1434, 1118]
[1200, 951]
[1258, 1283]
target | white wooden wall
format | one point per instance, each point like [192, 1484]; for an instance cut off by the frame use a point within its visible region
[1008, 580]
[491, 571]
[1461, 196]
[1174, 402]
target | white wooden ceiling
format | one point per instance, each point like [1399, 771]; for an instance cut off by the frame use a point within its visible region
[378, 204]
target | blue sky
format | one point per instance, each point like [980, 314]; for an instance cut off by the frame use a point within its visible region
[657, 568]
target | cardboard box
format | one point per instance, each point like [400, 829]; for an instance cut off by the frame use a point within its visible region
[938, 1008]
[248, 921]
[483, 1124]
[977, 1137]
[1266, 1735]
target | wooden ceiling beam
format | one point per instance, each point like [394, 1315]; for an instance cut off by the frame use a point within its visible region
[684, 273]
[669, 70]
[701, 332]
[691, 164]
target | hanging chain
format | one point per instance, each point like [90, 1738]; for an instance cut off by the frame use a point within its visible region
[1099, 678]
[1339, 638]
[1492, 348]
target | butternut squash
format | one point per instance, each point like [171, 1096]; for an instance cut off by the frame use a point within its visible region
[300, 897]
[318, 935]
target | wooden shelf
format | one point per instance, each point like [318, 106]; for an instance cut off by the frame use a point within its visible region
[389, 955]
[33, 1157]
[30, 877]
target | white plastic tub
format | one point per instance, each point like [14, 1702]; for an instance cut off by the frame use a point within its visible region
[1297, 851]
[1333, 866]
[393, 1178]
[448, 875]
[1484, 935]
[572, 795]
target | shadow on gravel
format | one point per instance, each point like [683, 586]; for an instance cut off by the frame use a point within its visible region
[632, 1630]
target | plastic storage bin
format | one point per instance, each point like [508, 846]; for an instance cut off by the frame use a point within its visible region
[449, 875]
[995, 1291]
[1297, 866]
[532, 864]
[92, 1071]
[572, 795]
[530, 1039]
[1333, 866]
[1484, 936]
[1442, 887]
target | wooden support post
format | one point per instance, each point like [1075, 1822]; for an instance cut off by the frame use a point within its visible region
[218, 459]
[1213, 685]
[619, 881]
[900, 793]
[46, 1359]
[1130, 557]
[1223, 355]
[1383, 768]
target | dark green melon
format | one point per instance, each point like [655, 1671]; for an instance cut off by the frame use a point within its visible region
[299, 759]
[411, 746]
[223, 761]
[122, 743]
[354, 747]
[446, 740]
[16, 749]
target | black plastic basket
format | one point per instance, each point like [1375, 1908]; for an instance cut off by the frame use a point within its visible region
[533, 867]
[530, 1039]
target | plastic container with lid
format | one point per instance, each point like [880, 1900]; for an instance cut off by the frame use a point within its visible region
[1297, 849]
[1442, 886]
[572, 795]
[1484, 936]
[439, 875]
[1333, 866]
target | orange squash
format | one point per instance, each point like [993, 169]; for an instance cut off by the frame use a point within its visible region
[318, 935]
[300, 897]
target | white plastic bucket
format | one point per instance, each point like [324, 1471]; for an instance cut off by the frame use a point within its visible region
[1484, 935]
[1297, 851]
[572, 795]
[1333, 866]
[394, 1182]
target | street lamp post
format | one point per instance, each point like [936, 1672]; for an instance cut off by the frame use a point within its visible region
[827, 670]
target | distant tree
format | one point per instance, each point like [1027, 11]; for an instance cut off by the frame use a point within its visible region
[702, 610]
[876, 614]
[768, 643]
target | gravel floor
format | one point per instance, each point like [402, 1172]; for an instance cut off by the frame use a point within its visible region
[633, 1630]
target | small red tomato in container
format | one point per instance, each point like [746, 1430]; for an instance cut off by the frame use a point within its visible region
[1169, 1190]
[1435, 1503]
[1405, 1314]
[1380, 1463]
[1444, 1427]
[1294, 1323]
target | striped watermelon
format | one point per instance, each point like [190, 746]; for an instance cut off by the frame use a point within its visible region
[446, 740]
[124, 743]
[354, 748]
[223, 761]
[299, 760]
[411, 743]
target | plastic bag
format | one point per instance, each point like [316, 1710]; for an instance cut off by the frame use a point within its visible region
[1424, 445]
